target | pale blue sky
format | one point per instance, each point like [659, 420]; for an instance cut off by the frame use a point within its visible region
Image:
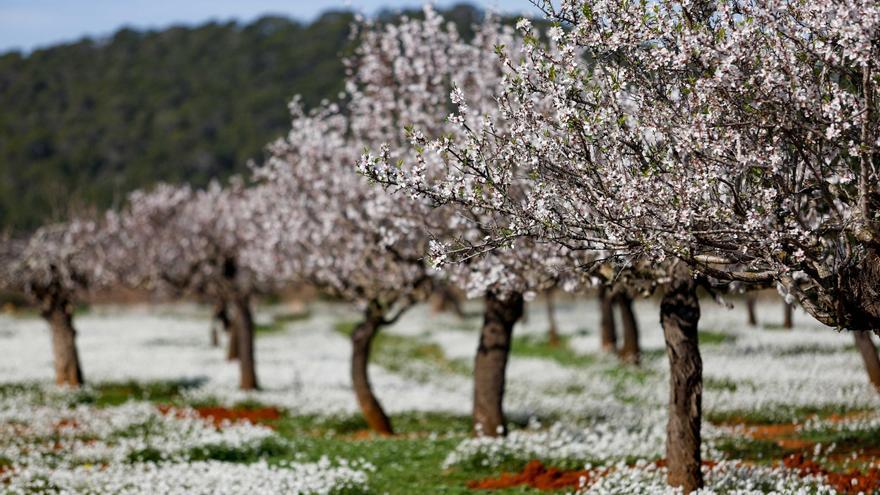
[29, 24]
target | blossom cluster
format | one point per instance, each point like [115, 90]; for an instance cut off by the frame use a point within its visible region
[738, 137]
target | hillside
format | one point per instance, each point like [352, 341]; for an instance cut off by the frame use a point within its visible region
[86, 122]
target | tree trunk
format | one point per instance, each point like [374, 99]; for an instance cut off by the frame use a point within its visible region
[553, 330]
[607, 330]
[630, 352]
[869, 356]
[679, 316]
[446, 299]
[787, 321]
[65, 356]
[215, 334]
[232, 350]
[490, 364]
[243, 332]
[750, 307]
[219, 319]
[361, 341]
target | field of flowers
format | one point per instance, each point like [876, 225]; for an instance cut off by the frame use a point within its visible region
[788, 411]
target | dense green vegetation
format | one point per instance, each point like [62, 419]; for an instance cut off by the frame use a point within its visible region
[86, 122]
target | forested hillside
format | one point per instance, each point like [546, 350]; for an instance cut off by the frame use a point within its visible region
[84, 123]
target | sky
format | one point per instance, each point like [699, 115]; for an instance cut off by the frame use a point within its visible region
[29, 24]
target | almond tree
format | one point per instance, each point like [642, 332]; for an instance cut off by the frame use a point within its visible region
[333, 230]
[734, 141]
[404, 75]
[204, 242]
[369, 245]
[57, 266]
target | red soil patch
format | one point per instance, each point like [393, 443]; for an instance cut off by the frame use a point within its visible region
[779, 434]
[771, 432]
[536, 475]
[364, 435]
[222, 415]
[66, 423]
[852, 481]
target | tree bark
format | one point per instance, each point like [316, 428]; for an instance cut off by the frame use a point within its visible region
[361, 342]
[553, 330]
[232, 350]
[869, 356]
[65, 356]
[788, 316]
[630, 352]
[607, 331]
[679, 316]
[490, 364]
[219, 319]
[446, 299]
[215, 334]
[242, 331]
[750, 308]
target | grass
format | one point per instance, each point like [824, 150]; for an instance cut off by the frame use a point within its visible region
[773, 416]
[412, 458]
[710, 337]
[279, 322]
[761, 451]
[408, 355]
[115, 393]
[539, 347]
[841, 450]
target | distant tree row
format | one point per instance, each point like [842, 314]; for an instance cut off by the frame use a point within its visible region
[85, 123]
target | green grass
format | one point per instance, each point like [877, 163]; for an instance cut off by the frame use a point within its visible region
[858, 439]
[410, 462]
[115, 393]
[710, 383]
[710, 337]
[408, 424]
[761, 451]
[408, 355]
[404, 465]
[279, 322]
[778, 415]
[539, 347]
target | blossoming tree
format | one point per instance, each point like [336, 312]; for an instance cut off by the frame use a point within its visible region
[733, 141]
[206, 242]
[57, 266]
[369, 245]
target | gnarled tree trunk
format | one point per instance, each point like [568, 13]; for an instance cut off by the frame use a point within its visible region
[242, 331]
[553, 330]
[361, 342]
[630, 352]
[607, 331]
[679, 316]
[869, 356]
[58, 314]
[490, 364]
[750, 308]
